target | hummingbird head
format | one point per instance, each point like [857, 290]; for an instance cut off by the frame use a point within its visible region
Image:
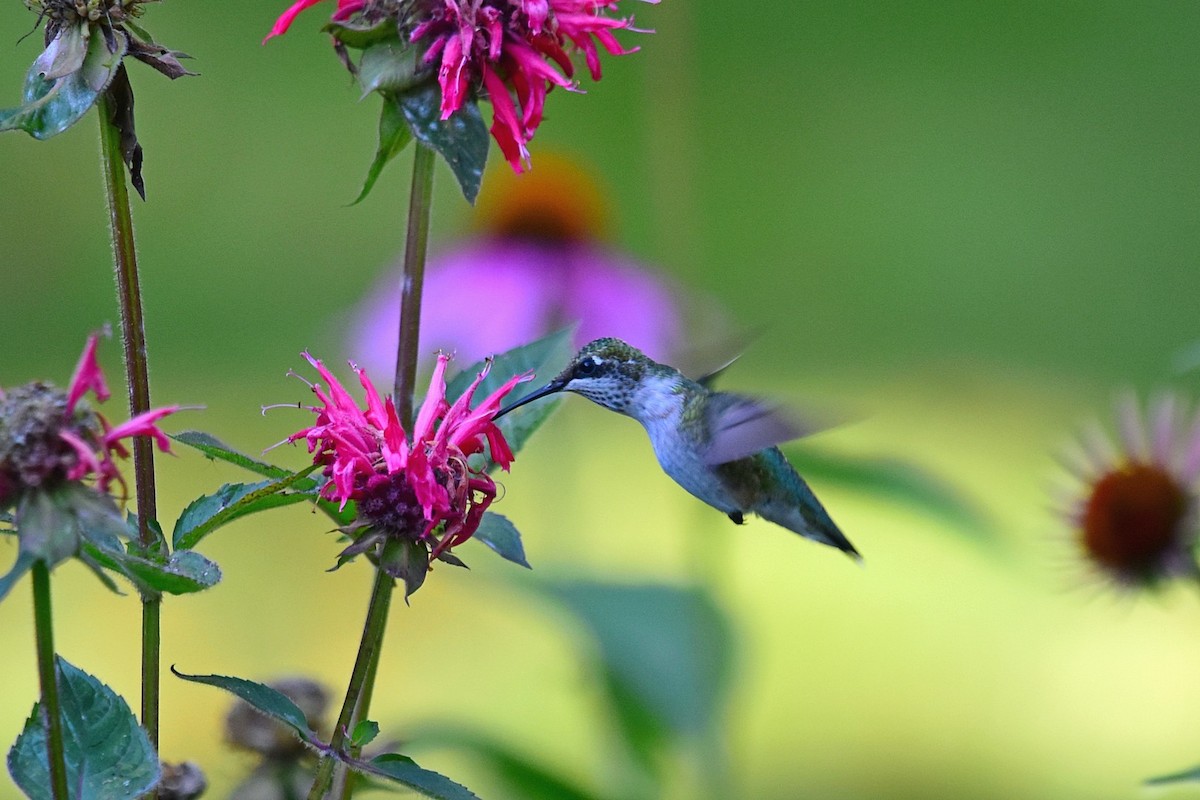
[605, 371]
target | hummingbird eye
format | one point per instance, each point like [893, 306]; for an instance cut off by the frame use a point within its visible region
[588, 366]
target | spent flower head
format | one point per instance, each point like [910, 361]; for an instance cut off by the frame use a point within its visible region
[1135, 511]
[86, 44]
[49, 436]
[418, 494]
[58, 463]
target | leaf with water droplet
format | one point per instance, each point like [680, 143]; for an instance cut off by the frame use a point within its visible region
[108, 755]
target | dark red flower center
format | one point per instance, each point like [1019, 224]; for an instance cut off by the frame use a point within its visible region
[389, 502]
[1133, 519]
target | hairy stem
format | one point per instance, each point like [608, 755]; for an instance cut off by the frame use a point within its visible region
[362, 680]
[415, 245]
[133, 337]
[48, 674]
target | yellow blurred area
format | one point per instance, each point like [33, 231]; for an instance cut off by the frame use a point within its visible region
[943, 667]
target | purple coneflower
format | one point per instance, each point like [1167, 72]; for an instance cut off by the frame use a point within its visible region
[1136, 513]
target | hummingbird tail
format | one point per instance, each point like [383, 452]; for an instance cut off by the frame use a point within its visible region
[810, 520]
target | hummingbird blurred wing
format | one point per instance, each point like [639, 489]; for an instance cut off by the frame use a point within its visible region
[739, 426]
[709, 379]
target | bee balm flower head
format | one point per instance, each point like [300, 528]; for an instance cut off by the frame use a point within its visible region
[513, 52]
[418, 494]
[49, 436]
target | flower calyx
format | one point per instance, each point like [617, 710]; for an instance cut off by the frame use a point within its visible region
[86, 42]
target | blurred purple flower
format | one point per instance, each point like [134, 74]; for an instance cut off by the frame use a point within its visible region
[540, 263]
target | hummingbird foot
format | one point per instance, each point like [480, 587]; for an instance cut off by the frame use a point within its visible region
[737, 518]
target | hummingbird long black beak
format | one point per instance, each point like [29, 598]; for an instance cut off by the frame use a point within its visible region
[556, 385]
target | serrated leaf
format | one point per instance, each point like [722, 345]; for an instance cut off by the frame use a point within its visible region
[394, 136]
[462, 140]
[364, 733]
[404, 771]
[214, 448]
[498, 533]
[895, 480]
[108, 756]
[185, 572]
[271, 702]
[51, 105]
[644, 632]
[544, 357]
[232, 501]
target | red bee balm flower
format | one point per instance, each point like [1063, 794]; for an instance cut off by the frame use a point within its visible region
[48, 436]
[508, 48]
[408, 488]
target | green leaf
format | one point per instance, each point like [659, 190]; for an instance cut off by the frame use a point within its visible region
[185, 571]
[308, 486]
[364, 733]
[407, 561]
[545, 358]
[1186, 776]
[404, 771]
[390, 66]
[271, 702]
[48, 527]
[645, 632]
[520, 776]
[498, 533]
[65, 54]
[462, 140]
[894, 480]
[108, 755]
[98, 519]
[214, 448]
[360, 36]
[22, 565]
[232, 501]
[51, 105]
[394, 136]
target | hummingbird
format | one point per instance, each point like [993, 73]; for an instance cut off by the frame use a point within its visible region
[718, 446]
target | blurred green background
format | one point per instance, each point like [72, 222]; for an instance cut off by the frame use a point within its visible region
[968, 224]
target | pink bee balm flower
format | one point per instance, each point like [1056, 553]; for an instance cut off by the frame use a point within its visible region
[419, 487]
[514, 51]
[48, 436]
[515, 48]
[345, 8]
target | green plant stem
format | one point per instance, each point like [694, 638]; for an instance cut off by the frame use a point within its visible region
[415, 244]
[362, 679]
[368, 647]
[51, 709]
[133, 337]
